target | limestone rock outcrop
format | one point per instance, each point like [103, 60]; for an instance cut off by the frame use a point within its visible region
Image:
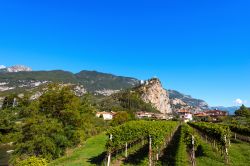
[152, 92]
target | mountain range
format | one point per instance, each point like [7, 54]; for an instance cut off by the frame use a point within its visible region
[93, 81]
[230, 110]
[19, 78]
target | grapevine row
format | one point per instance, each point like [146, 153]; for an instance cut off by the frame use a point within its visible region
[156, 131]
[221, 134]
[189, 141]
[218, 134]
[139, 130]
[240, 130]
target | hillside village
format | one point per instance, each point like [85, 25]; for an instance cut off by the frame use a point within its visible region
[182, 115]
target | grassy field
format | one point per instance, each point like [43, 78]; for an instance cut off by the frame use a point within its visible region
[89, 154]
[239, 153]
[209, 156]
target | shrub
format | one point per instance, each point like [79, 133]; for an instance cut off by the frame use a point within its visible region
[32, 161]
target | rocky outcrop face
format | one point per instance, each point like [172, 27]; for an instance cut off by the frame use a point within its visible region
[16, 68]
[177, 101]
[106, 92]
[153, 92]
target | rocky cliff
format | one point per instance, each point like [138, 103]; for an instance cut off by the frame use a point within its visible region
[152, 92]
[16, 68]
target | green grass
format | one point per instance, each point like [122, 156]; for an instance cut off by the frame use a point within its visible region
[93, 152]
[181, 158]
[239, 153]
[209, 156]
[89, 154]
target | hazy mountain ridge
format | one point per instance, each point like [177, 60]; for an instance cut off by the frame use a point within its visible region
[93, 81]
[230, 110]
[88, 81]
[173, 94]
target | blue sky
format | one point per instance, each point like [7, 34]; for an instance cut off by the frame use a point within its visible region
[201, 48]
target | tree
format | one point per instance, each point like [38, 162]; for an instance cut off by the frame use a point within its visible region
[120, 118]
[61, 103]
[8, 126]
[55, 121]
[243, 111]
[42, 136]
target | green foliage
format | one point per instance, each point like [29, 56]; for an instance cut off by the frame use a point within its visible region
[129, 101]
[243, 130]
[206, 155]
[181, 157]
[47, 126]
[42, 136]
[133, 101]
[57, 100]
[54, 75]
[188, 132]
[8, 126]
[120, 118]
[243, 111]
[185, 144]
[32, 161]
[138, 130]
[214, 131]
[9, 101]
[91, 80]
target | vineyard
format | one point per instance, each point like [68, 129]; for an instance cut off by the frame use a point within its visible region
[193, 142]
[156, 133]
[157, 143]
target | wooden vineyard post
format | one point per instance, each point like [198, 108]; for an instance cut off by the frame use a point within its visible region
[226, 150]
[193, 152]
[150, 151]
[109, 155]
[235, 136]
[157, 154]
[126, 150]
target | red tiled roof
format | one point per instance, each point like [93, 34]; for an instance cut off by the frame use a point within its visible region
[201, 114]
[183, 111]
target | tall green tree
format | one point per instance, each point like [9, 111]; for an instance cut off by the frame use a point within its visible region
[61, 103]
[243, 111]
[42, 136]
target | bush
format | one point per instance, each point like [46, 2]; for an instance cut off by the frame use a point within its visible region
[32, 161]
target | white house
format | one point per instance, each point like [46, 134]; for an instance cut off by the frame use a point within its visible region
[142, 114]
[185, 115]
[105, 115]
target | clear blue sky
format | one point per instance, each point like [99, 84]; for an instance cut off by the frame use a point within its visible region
[201, 48]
